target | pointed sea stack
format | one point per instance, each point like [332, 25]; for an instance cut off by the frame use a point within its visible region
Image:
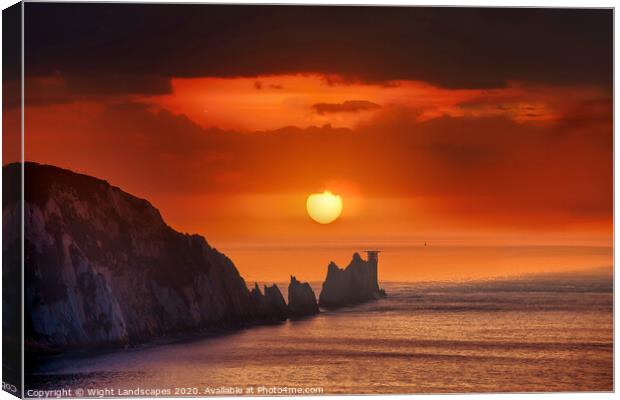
[355, 284]
[268, 307]
[259, 304]
[301, 299]
[275, 301]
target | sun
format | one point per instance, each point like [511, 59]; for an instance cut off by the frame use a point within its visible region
[324, 207]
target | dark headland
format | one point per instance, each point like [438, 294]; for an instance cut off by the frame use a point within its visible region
[103, 269]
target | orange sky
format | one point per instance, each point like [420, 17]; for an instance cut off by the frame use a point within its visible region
[234, 160]
[272, 102]
[485, 132]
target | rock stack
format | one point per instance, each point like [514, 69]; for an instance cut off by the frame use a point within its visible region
[301, 299]
[270, 306]
[355, 284]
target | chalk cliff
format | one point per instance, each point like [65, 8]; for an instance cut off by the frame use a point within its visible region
[355, 284]
[301, 299]
[103, 268]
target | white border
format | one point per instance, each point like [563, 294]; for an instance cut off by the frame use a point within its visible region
[466, 3]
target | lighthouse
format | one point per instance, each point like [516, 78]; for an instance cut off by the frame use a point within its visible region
[373, 260]
[373, 255]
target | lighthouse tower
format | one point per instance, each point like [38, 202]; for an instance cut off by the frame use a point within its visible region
[373, 255]
[373, 260]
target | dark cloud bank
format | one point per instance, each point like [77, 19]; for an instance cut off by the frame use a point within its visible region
[106, 48]
[349, 106]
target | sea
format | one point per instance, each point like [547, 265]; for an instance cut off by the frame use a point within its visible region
[529, 334]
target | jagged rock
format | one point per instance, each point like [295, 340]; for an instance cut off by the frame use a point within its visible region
[275, 300]
[355, 284]
[268, 307]
[301, 299]
[257, 300]
[103, 268]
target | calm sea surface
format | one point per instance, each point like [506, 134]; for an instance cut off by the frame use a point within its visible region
[543, 334]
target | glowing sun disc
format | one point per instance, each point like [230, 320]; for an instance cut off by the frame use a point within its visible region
[324, 207]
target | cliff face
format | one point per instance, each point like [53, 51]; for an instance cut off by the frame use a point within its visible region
[102, 267]
[355, 284]
[301, 299]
